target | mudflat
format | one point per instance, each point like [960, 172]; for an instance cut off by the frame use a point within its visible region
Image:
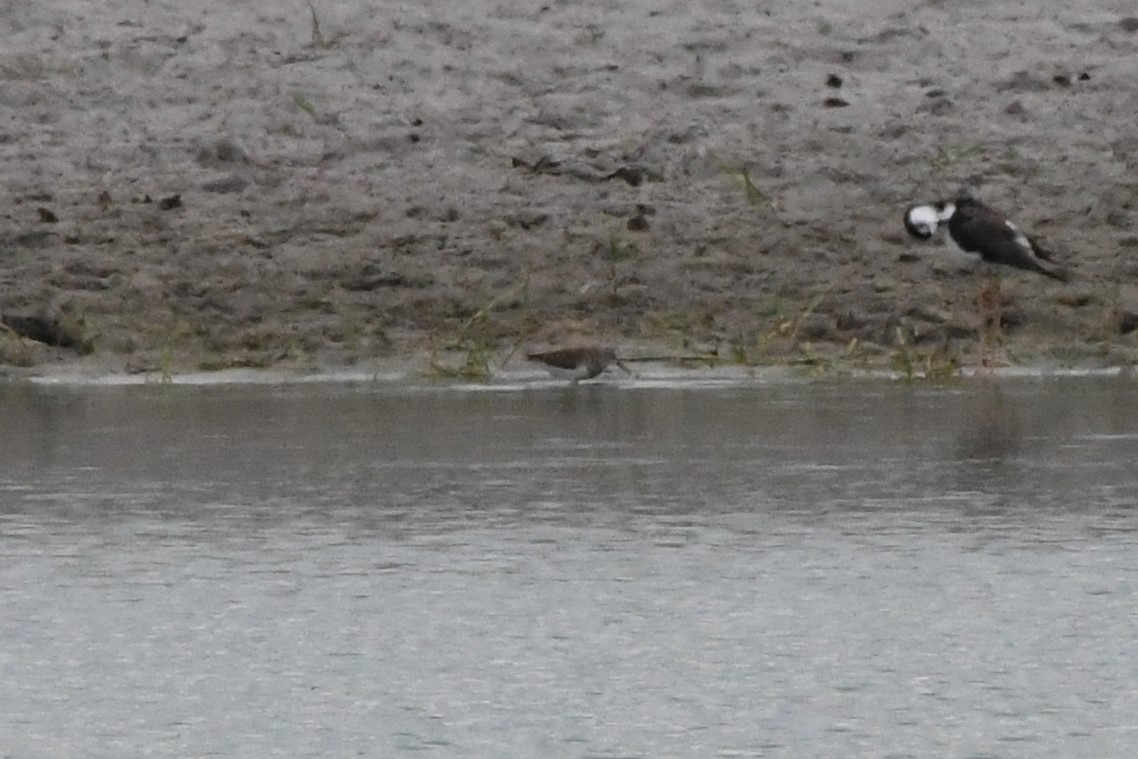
[200, 184]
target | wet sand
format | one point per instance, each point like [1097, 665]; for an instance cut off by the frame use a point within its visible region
[200, 185]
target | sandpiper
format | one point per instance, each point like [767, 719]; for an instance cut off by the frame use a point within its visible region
[584, 362]
[982, 230]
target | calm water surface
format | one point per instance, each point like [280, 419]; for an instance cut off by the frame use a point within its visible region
[799, 570]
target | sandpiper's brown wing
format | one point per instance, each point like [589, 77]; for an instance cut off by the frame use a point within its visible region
[565, 358]
[570, 358]
[589, 360]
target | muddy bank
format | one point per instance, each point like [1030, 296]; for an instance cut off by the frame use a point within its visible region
[195, 185]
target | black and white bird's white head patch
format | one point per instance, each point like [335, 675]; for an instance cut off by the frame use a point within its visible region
[921, 221]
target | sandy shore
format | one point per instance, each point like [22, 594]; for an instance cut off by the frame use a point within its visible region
[203, 185]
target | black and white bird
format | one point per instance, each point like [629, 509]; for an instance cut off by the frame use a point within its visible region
[983, 231]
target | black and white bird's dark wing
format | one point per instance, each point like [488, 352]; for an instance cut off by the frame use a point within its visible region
[978, 229]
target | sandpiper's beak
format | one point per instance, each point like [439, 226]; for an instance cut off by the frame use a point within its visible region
[623, 366]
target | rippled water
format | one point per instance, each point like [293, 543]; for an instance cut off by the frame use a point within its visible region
[790, 570]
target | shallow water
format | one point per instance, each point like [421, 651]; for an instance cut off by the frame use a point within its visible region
[816, 569]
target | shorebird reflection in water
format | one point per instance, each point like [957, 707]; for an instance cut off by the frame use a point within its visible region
[576, 364]
[981, 230]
